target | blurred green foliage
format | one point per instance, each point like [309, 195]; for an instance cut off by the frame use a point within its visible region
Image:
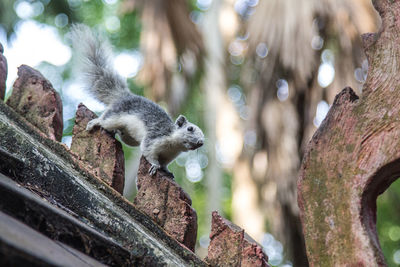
[388, 223]
[68, 126]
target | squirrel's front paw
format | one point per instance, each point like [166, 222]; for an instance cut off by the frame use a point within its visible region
[153, 169]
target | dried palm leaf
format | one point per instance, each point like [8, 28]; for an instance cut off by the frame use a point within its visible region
[172, 48]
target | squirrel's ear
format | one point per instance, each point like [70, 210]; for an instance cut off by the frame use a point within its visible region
[180, 121]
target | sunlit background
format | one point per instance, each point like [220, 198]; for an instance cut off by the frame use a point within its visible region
[257, 76]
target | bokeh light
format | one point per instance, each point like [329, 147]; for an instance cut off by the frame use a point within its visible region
[61, 20]
[112, 24]
[273, 248]
[262, 50]
[110, 2]
[283, 90]
[317, 42]
[396, 257]
[394, 233]
[320, 114]
[203, 4]
[127, 64]
[326, 74]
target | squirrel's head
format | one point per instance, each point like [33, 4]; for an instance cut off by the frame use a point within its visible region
[189, 134]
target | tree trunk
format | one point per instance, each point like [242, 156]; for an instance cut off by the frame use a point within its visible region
[353, 157]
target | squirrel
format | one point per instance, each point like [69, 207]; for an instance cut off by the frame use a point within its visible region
[137, 120]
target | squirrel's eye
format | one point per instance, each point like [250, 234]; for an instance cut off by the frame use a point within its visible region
[190, 129]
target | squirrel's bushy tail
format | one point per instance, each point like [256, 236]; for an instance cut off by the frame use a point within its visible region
[102, 80]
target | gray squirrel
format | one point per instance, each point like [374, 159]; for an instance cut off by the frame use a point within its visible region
[136, 119]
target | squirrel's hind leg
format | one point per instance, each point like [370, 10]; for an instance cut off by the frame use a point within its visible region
[126, 138]
[93, 123]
